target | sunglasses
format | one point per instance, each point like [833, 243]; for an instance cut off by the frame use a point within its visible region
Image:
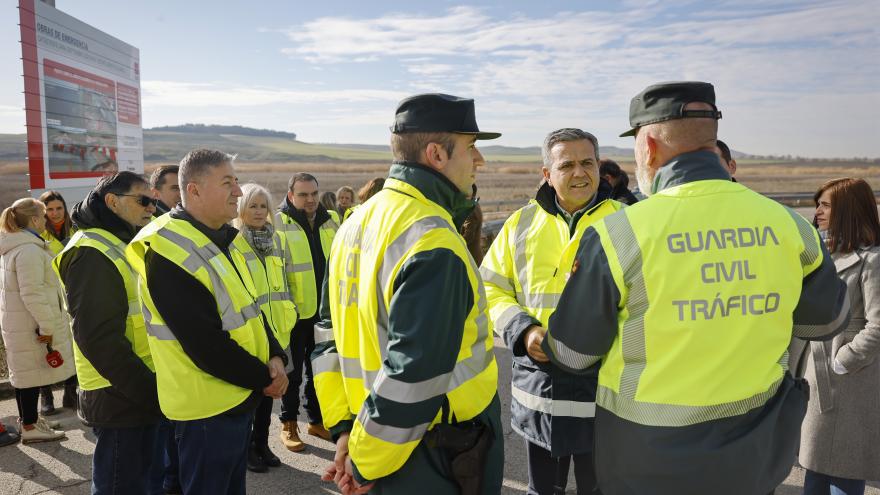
[142, 199]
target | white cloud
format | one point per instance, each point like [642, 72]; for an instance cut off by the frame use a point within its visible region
[586, 65]
[189, 94]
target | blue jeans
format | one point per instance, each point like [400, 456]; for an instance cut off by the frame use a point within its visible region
[163, 474]
[122, 459]
[823, 484]
[213, 454]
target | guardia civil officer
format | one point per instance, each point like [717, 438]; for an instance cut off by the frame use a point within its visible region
[406, 378]
[216, 356]
[524, 272]
[690, 299]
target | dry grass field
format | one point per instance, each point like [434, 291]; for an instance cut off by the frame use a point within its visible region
[497, 181]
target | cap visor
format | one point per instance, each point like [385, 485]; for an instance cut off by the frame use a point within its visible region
[482, 135]
[631, 132]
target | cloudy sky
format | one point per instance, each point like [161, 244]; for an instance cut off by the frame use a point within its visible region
[792, 77]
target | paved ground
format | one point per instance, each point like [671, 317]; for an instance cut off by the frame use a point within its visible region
[64, 467]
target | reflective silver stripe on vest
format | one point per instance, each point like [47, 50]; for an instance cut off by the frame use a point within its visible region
[547, 300]
[274, 296]
[393, 254]
[201, 257]
[554, 407]
[134, 307]
[526, 217]
[568, 356]
[632, 340]
[323, 334]
[496, 279]
[391, 434]
[299, 267]
[653, 414]
[408, 393]
[811, 249]
[117, 253]
[351, 368]
[326, 363]
[526, 297]
[161, 332]
[506, 317]
[808, 331]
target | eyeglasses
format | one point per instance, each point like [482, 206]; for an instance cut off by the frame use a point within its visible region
[142, 200]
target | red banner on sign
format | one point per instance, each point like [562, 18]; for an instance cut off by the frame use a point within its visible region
[128, 104]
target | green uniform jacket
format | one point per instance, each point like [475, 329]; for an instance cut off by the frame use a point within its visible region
[690, 299]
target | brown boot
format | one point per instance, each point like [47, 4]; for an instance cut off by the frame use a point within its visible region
[318, 430]
[290, 436]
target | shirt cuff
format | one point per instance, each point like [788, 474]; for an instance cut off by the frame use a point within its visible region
[341, 427]
[838, 368]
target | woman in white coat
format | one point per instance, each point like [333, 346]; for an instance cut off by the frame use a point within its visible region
[34, 314]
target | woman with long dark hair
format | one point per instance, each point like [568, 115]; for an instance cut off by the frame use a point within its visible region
[59, 229]
[840, 437]
[59, 226]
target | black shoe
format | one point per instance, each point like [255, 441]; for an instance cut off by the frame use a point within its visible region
[47, 402]
[255, 462]
[269, 458]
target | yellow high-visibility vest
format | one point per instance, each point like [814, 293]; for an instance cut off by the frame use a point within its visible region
[185, 391]
[734, 301]
[371, 248]
[301, 274]
[270, 281]
[114, 249]
[529, 261]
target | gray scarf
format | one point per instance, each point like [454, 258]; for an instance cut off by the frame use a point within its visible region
[261, 240]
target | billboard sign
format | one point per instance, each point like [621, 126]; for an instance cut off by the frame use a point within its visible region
[82, 101]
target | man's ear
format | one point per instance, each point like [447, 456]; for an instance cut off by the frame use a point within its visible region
[192, 190]
[731, 167]
[653, 146]
[546, 172]
[111, 200]
[435, 156]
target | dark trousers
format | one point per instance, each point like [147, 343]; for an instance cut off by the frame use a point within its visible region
[302, 343]
[548, 475]
[262, 418]
[26, 399]
[122, 460]
[823, 484]
[213, 454]
[163, 473]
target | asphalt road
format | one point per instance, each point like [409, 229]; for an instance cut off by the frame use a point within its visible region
[65, 467]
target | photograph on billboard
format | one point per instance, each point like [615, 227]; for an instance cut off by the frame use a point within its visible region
[82, 98]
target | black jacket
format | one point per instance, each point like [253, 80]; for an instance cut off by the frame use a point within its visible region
[196, 324]
[98, 305]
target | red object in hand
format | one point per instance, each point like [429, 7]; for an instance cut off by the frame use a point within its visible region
[53, 357]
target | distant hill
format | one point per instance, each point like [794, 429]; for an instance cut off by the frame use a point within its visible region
[223, 129]
[170, 143]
